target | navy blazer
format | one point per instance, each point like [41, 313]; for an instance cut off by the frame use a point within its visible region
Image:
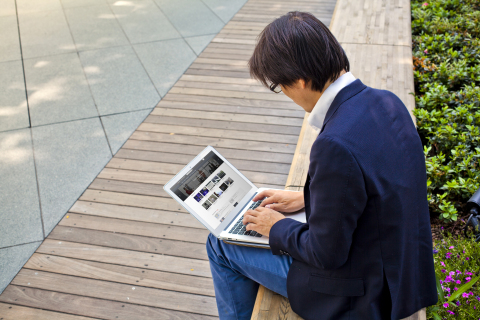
[366, 250]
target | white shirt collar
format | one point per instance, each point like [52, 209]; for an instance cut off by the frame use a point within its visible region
[317, 116]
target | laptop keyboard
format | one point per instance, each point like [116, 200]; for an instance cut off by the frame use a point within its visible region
[240, 229]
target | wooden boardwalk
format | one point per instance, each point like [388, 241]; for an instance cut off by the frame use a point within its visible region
[126, 250]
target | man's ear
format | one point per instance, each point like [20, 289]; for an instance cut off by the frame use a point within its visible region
[302, 83]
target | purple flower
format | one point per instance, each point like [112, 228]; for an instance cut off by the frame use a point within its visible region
[447, 289]
[452, 313]
[445, 305]
[448, 279]
[448, 255]
[443, 270]
[442, 228]
[456, 289]
[465, 295]
[443, 264]
[425, 51]
[458, 282]
[467, 258]
[451, 247]
[459, 272]
[452, 273]
[457, 303]
[468, 279]
[468, 273]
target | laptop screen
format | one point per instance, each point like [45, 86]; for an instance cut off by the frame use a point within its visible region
[212, 188]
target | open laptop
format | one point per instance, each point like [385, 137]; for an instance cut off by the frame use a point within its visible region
[218, 195]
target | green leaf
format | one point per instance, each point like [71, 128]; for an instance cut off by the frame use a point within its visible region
[462, 289]
[441, 296]
[436, 316]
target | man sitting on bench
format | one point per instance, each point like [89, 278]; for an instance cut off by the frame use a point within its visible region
[366, 250]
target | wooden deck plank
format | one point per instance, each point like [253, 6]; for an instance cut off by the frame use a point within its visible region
[217, 133]
[275, 110]
[169, 170]
[284, 121]
[128, 227]
[132, 200]
[124, 257]
[138, 295]
[132, 242]
[182, 219]
[177, 158]
[90, 307]
[193, 150]
[121, 274]
[145, 189]
[227, 101]
[16, 312]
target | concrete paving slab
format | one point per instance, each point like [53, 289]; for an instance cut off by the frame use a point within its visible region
[13, 102]
[81, 3]
[12, 260]
[119, 127]
[45, 33]
[165, 61]
[68, 157]
[27, 6]
[9, 42]
[7, 8]
[118, 80]
[143, 21]
[57, 89]
[95, 27]
[191, 17]
[20, 219]
[225, 10]
[199, 43]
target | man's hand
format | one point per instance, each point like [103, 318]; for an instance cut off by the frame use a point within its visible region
[281, 200]
[261, 220]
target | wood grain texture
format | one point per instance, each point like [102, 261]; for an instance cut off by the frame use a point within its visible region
[124, 257]
[90, 307]
[15, 312]
[384, 67]
[121, 274]
[137, 294]
[373, 22]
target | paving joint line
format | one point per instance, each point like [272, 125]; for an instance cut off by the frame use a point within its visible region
[23, 65]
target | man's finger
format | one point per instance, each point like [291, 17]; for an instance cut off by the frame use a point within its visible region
[249, 219]
[251, 226]
[269, 201]
[263, 194]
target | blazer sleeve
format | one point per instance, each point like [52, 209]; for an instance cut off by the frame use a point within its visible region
[337, 199]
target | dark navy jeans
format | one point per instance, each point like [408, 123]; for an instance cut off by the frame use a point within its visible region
[237, 271]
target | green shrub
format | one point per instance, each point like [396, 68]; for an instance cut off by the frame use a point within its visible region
[446, 56]
[457, 265]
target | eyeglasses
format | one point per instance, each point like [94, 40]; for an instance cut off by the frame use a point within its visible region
[275, 88]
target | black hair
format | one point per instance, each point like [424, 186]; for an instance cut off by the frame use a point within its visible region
[297, 46]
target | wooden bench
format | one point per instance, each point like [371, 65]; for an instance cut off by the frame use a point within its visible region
[376, 36]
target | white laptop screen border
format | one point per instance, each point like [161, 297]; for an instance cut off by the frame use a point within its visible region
[231, 216]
